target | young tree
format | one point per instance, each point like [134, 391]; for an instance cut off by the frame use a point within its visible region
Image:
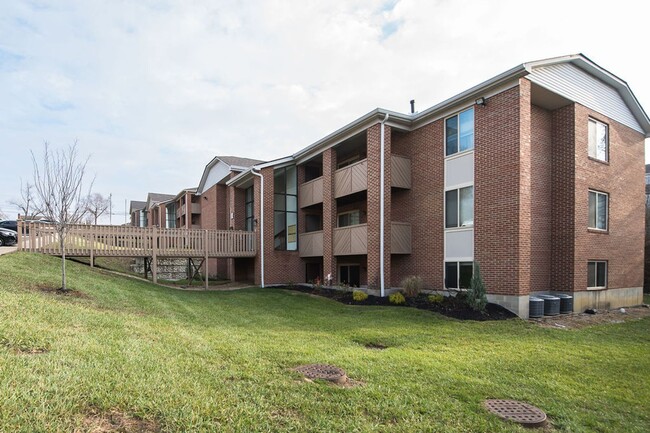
[59, 192]
[476, 294]
[97, 205]
[26, 202]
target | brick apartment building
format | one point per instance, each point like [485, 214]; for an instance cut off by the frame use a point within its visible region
[536, 174]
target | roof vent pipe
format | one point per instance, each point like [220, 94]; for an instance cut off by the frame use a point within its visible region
[412, 106]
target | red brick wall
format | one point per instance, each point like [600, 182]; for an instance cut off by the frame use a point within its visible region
[497, 198]
[374, 195]
[623, 179]
[214, 207]
[563, 192]
[542, 202]
[280, 267]
[422, 205]
[329, 214]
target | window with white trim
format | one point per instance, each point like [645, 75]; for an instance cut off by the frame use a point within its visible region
[458, 274]
[459, 132]
[598, 204]
[598, 140]
[459, 207]
[597, 274]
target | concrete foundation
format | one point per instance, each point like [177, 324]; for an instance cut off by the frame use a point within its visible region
[516, 304]
[607, 299]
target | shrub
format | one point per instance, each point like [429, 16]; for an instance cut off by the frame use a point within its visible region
[359, 296]
[397, 298]
[436, 299]
[476, 296]
[411, 286]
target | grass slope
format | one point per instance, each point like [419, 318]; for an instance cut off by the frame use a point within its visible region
[210, 361]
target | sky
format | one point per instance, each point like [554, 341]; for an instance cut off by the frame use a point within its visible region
[153, 90]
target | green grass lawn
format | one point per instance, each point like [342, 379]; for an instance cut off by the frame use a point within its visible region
[220, 361]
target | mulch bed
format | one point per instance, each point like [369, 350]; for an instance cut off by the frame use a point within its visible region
[450, 306]
[59, 291]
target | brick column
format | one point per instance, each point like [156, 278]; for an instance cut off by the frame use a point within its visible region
[229, 204]
[524, 186]
[329, 214]
[374, 194]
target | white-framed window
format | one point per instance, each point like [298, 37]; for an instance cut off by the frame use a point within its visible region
[598, 210]
[351, 218]
[459, 132]
[458, 274]
[596, 274]
[459, 207]
[598, 140]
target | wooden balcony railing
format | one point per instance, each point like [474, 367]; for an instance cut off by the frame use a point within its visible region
[128, 241]
[354, 177]
[311, 244]
[311, 192]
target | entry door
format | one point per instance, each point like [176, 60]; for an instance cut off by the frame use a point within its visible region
[349, 274]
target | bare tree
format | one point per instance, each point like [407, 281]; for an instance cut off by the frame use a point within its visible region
[59, 196]
[3, 216]
[96, 206]
[26, 202]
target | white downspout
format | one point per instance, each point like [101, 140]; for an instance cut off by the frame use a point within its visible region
[381, 209]
[256, 173]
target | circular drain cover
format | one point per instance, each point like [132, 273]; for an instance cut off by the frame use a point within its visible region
[323, 371]
[517, 411]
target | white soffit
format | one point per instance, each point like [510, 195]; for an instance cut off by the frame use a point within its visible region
[575, 84]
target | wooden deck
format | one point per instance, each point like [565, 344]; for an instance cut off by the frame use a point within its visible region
[126, 241]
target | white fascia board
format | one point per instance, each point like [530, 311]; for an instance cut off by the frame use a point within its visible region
[587, 65]
[280, 162]
[240, 178]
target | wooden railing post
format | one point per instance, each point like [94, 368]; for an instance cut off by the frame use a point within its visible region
[205, 247]
[154, 255]
[20, 236]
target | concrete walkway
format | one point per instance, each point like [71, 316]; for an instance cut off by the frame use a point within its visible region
[7, 250]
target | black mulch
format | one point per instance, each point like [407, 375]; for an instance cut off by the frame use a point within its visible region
[450, 306]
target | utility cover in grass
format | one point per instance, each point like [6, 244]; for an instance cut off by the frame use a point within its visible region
[517, 411]
[323, 371]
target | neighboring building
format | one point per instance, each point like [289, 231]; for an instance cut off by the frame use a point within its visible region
[138, 213]
[188, 209]
[215, 208]
[646, 279]
[156, 206]
[536, 174]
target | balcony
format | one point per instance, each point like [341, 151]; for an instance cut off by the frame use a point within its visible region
[196, 209]
[311, 244]
[353, 240]
[311, 193]
[354, 177]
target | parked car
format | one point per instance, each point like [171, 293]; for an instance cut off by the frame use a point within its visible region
[9, 224]
[8, 237]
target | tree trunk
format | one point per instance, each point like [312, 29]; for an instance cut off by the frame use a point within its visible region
[62, 244]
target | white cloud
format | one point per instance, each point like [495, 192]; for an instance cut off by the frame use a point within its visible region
[155, 89]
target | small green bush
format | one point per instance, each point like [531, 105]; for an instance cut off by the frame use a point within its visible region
[476, 295]
[359, 296]
[412, 285]
[397, 298]
[436, 299]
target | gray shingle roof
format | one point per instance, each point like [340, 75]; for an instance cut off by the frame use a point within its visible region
[239, 161]
[137, 205]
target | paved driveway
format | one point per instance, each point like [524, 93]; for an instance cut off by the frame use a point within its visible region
[7, 250]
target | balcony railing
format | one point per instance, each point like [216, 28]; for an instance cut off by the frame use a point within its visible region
[354, 177]
[353, 240]
[311, 244]
[311, 192]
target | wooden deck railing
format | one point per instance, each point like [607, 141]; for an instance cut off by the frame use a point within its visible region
[126, 241]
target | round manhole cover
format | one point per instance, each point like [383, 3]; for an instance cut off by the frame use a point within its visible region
[323, 371]
[517, 411]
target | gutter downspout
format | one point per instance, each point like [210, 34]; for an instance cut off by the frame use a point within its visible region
[381, 208]
[257, 173]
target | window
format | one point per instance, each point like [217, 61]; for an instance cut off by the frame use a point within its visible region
[351, 218]
[170, 218]
[598, 140]
[459, 132]
[313, 222]
[596, 274]
[598, 210]
[647, 179]
[143, 218]
[459, 207]
[458, 274]
[350, 275]
[248, 199]
[285, 205]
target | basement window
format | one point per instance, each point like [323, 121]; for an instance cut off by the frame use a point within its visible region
[596, 274]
